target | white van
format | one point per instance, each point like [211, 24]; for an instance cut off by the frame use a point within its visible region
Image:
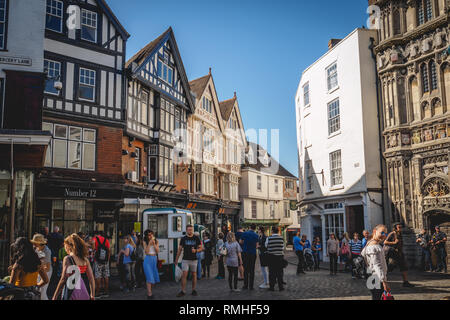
[169, 226]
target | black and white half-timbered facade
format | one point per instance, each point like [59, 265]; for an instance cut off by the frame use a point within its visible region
[84, 109]
[158, 106]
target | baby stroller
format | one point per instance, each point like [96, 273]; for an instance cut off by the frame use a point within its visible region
[309, 260]
[359, 267]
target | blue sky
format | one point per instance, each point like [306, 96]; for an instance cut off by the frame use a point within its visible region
[257, 48]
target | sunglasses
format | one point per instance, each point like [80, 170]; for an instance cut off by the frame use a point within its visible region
[383, 233]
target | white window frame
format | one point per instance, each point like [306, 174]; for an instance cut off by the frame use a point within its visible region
[59, 74]
[330, 75]
[62, 13]
[336, 168]
[4, 21]
[88, 85]
[334, 122]
[306, 94]
[91, 26]
[163, 66]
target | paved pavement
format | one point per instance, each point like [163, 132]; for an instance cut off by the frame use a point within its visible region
[317, 285]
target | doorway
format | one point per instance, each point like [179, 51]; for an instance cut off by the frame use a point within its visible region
[442, 219]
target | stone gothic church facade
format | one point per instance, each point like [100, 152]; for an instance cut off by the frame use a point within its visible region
[413, 63]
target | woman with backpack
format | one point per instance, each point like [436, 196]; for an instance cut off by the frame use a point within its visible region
[151, 250]
[83, 288]
[234, 259]
[220, 257]
[140, 255]
[129, 261]
[208, 255]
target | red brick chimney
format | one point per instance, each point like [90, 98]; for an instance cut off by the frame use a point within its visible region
[332, 43]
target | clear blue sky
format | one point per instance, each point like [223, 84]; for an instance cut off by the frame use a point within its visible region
[257, 48]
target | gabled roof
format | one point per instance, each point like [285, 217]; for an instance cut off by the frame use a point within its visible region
[140, 56]
[198, 86]
[110, 14]
[283, 172]
[226, 107]
[154, 45]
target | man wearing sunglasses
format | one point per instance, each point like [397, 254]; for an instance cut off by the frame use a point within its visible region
[395, 241]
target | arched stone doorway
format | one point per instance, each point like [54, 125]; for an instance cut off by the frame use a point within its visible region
[436, 205]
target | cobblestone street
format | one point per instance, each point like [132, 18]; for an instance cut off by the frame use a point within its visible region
[317, 285]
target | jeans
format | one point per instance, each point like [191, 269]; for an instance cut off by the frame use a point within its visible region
[376, 294]
[221, 267]
[249, 260]
[301, 261]
[427, 259]
[232, 277]
[333, 263]
[316, 261]
[139, 272]
[276, 271]
[442, 259]
[129, 274]
[265, 276]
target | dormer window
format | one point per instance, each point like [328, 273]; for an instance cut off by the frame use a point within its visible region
[88, 25]
[54, 16]
[165, 72]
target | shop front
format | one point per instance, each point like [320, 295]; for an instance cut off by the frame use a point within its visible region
[204, 214]
[78, 207]
[228, 217]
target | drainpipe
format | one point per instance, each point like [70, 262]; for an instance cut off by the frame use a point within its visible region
[380, 138]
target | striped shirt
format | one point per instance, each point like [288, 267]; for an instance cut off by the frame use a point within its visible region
[275, 245]
[355, 246]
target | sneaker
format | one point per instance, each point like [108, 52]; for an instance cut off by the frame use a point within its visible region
[150, 297]
[264, 286]
[181, 294]
[236, 290]
[194, 293]
[407, 284]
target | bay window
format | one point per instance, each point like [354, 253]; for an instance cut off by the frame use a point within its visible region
[71, 147]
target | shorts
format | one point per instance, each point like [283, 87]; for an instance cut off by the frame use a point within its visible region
[101, 270]
[189, 265]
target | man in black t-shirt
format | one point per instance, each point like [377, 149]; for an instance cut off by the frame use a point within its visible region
[190, 244]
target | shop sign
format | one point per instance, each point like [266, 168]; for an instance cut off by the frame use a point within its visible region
[80, 193]
[293, 205]
[137, 227]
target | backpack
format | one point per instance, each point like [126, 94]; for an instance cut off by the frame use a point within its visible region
[101, 255]
[133, 256]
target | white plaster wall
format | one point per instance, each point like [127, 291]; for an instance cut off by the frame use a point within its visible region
[357, 138]
[25, 34]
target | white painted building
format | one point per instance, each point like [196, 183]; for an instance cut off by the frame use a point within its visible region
[338, 140]
[266, 190]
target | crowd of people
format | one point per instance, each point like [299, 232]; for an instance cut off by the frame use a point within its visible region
[49, 257]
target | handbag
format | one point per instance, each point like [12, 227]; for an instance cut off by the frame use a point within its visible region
[387, 296]
[223, 251]
[80, 292]
[285, 263]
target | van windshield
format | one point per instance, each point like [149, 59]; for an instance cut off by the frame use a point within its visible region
[159, 225]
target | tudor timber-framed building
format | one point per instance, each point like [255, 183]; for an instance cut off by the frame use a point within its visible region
[159, 103]
[80, 188]
[414, 78]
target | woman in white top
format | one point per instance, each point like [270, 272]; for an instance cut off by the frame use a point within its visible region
[151, 249]
[373, 254]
